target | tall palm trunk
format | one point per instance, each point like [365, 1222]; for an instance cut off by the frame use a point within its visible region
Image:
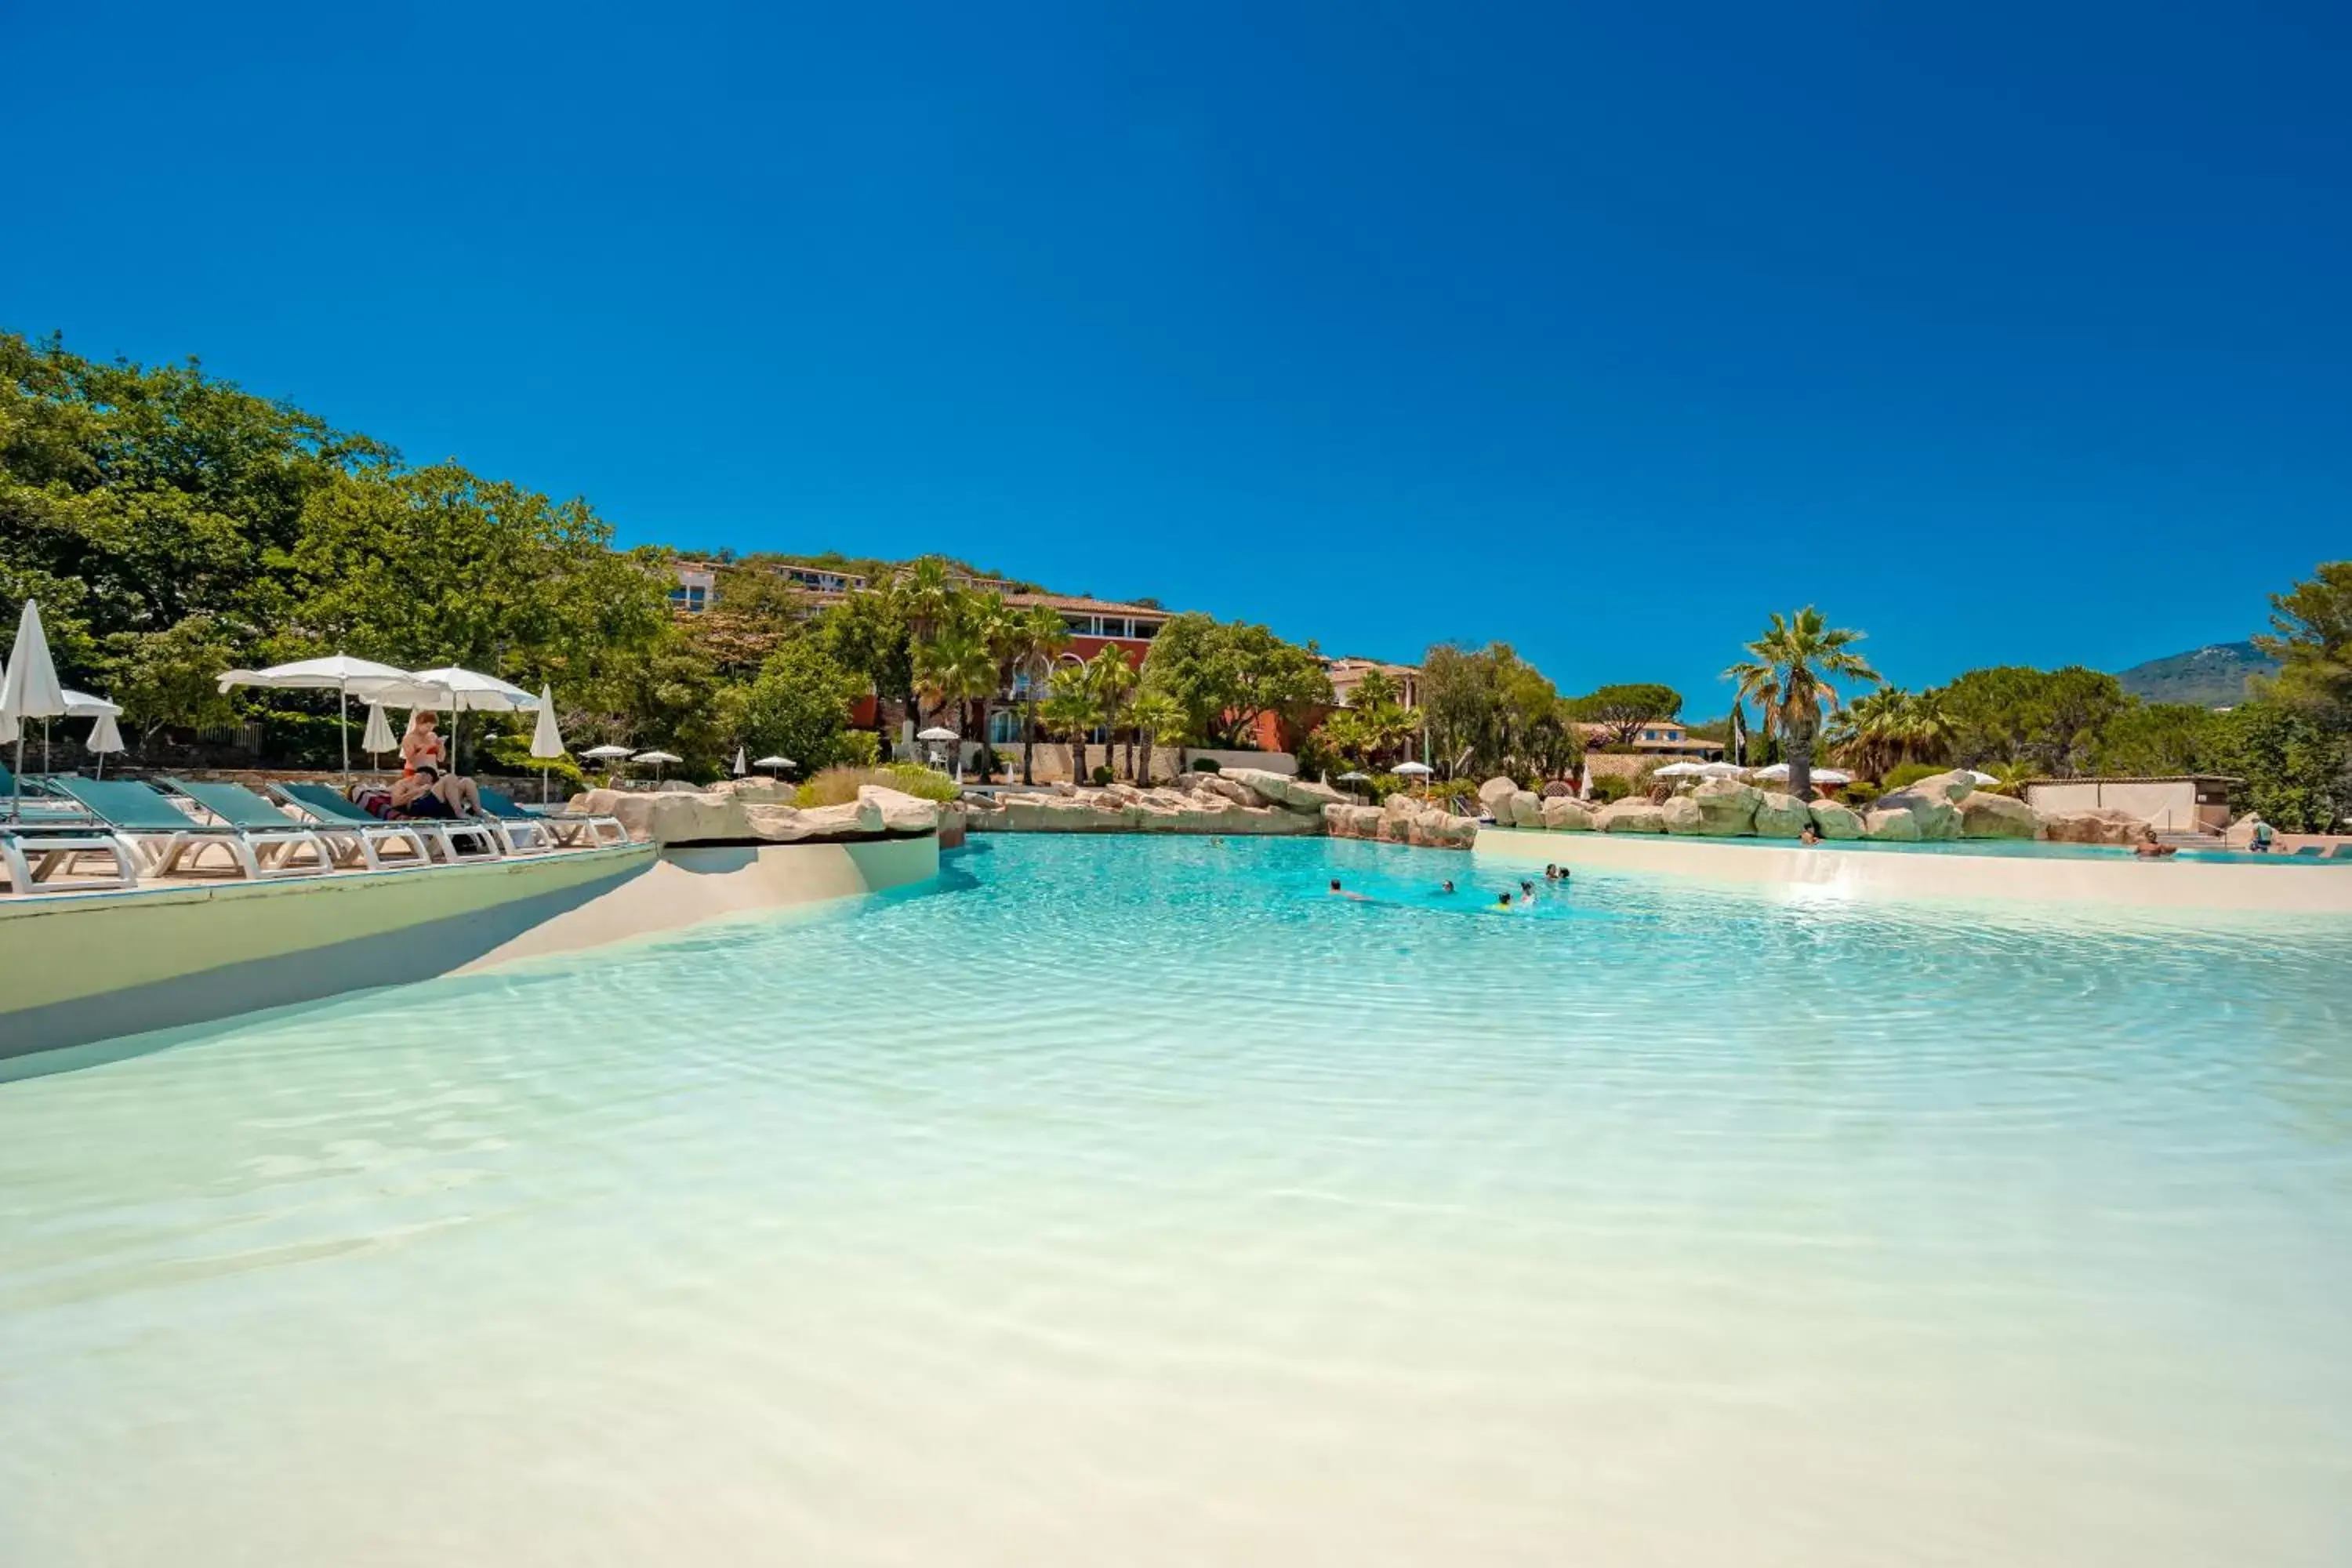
[1029, 738]
[1143, 779]
[987, 758]
[1801, 760]
[1078, 756]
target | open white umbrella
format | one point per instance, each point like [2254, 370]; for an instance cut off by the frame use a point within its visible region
[104, 738]
[450, 688]
[936, 736]
[606, 754]
[29, 689]
[1721, 770]
[339, 673]
[1416, 771]
[1980, 780]
[1354, 778]
[778, 763]
[1779, 774]
[1680, 771]
[657, 759]
[546, 740]
[377, 739]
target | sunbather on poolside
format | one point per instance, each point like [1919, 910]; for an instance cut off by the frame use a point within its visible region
[421, 744]
[428, 793]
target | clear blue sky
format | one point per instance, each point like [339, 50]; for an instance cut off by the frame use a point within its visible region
[2007, 334]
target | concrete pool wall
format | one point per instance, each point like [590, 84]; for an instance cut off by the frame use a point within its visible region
[1895, 873]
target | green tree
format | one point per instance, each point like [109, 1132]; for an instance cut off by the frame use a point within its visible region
[955, 667]
[1227, 677]
[1160, 718]
[2148, 738]
[1788, 671]
[1070, 710]
[1113, 680]
[2311, 637]
[1625, 709]
[2050, 718]
[868, 635]
[1889, 727]
[1490, 711]
[2294, 763]
[799, 705]
[1039, 635]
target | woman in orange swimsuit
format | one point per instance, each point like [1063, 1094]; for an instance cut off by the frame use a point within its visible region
[423, 741]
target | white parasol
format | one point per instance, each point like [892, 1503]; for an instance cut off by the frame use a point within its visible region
[29, 689]
[339, 673]
[103, 738]
[546, 740]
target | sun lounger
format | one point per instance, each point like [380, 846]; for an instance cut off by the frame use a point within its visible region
[354, 844]
[170, 840]
[2310, 851]
[33, 853]
[326, 805]
[569, 828]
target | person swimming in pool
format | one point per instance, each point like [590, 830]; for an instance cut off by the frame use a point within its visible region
[1527, 889]
[1342, 892]
[1447, 886]
[1811, 834]
[1503, 900]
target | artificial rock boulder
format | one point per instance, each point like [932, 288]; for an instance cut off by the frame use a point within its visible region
[700, 816]
[1726, 807]
[1834, 819]
[1781, 816]
[1494, 794]
[1520, 808]
[1404, 820]
[1563, 813]
[1682, 815]
[1984, 816]
[1632, 815]
[1932, 812]
[1891, 824]
[1283, 790]
[2104, 824]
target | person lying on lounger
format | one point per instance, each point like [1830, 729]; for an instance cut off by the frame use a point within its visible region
[429, 792]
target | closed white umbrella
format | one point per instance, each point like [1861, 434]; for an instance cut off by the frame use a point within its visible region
[377, 739]
[546, 740]
[739, 769]
[29, 689]
[337, 673]
[104, 738]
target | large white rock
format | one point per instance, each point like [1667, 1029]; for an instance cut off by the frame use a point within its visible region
[1727, 807]
[1633, 815]
[2101, 825]
[1683, 815]
[900, 812]
[1780, 817]
[1494, 792]
[1891, 824]
[1984, 815]
[1563, 813]
[1949, 787]
[1835, 819]
[1283, 790]
[1520, 808]
[1932, 811]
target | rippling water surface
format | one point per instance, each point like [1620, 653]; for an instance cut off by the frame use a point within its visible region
[1138, 1203]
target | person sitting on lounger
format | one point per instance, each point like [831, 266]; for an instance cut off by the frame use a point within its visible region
[421, 744]
[428, 793]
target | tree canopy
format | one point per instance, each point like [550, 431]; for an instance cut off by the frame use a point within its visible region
[1625, 708]
[1227, 676]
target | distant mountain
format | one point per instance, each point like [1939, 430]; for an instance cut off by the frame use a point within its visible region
[2209, 676]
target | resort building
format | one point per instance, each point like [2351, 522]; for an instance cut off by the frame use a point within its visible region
[2182, 803]
[821, 584]
[1658, 738]
[1347, 674]
[696, 589]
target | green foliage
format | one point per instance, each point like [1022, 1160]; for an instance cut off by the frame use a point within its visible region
[1228, 677]
[299, 740]
[799, 707]
[2051, 719]
[1490, 711]
[1208, 766]
[839, 786]
[1458, 795]
[1909, 773]
[1103, 775]
[852, 749]
[1791, 672]
[508, 751]
[868, 635]
[2311, 637]
[2156, 737]
[1861, 792]
[1625, 708]
[2297, 765]
[1611, 786]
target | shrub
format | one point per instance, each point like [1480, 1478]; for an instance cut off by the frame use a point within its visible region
[839, 786]
[1862, 791]
[1103, 775]
[1454, 795]
[1910, 774]
[511, 753]
[1207, 765]
[1609, 787]
[857, 749]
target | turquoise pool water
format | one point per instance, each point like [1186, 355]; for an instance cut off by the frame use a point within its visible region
[1138, 1203]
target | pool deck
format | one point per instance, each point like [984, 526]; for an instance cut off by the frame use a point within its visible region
[1824, 870]
[79, 966]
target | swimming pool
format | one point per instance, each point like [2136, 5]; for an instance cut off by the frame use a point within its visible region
[1135, 1201]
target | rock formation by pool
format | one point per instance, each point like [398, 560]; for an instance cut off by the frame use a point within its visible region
[1237, 801]
[1940, 808]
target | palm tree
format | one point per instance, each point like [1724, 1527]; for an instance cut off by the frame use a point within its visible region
[998, 630]
[1157, 717]
[1040, 636]
[1788, 672]
[955, 667]
[1888, 727]
[1070, 711]
[926, 600]
[1113, 680]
